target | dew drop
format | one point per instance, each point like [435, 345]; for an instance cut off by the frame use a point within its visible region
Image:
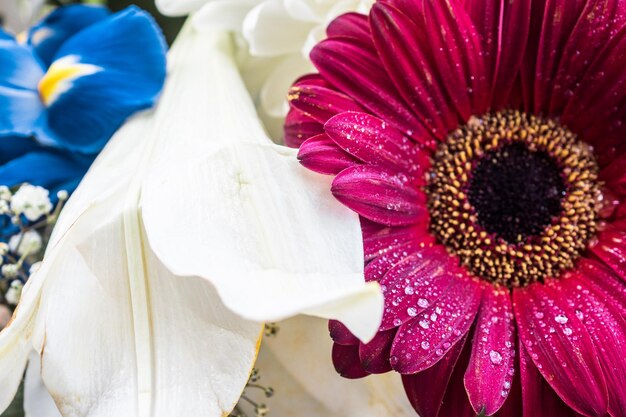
[411, 311]
[561, 319]
[422, 303]
[409, 290]
[425, 345]
[495, 357]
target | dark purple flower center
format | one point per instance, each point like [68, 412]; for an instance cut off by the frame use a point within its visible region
[514, 197]
[516, 192]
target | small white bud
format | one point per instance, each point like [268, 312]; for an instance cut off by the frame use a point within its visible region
[10, 270]
[4, 207]
[5, 193]
[32, 201]
[62, 195]
[15, 292]
[4, 248]
[30, 242]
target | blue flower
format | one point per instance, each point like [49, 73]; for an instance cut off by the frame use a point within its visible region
[80, 74]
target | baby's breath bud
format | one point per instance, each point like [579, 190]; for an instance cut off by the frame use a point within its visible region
[5, 193]
[62, 195]
[32, 201]
[27, 243]
[4, 248]
[10, 270]
[15, 292]
[33, 268]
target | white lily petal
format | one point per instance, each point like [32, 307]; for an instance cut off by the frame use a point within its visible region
[223, 14]
[37, 399]
[266, 232]
[274, 92]
[302, 347]
[242, 213]
[266, 25]
[179, 7]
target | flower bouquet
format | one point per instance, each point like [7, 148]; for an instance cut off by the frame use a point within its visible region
[314, 208]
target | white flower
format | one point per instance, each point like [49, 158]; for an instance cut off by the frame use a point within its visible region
[190, 229]
[279, 35]
[31, 201]
[17, 15]
[14, 293]
[29, 242]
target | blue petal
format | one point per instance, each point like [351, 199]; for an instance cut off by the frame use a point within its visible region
[47, 168]
[12, 147]
[20, 73]
[48, 35]
[130, 49]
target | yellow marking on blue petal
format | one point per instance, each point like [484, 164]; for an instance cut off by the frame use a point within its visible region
[21, 38]
[40, 35]
[58, 79]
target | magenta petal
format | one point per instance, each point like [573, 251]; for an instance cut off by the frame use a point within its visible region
[455, 402]
[300, 127]
[560, 16]
[606, 281]
[340, 334]
[601, 18]
[356, 70]
[415, 284]
[598, 103]
[614, 175]
[611, 249]
[346, 361]
[423, 341]
[321, 154]
[379, 239]
[380, 195]
[503, 28]
[403, 46]
[320, 103]
[561, 348]
[379, 266]
[538, 398]
[375, 142]
[607, 328]
[425, 390]
[375, 354]
[352, 25]
[458, 55]
[489, 376]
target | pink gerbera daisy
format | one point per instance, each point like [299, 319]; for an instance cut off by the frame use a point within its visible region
[483, 144]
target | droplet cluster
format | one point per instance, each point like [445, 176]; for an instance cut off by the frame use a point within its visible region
[548, 228]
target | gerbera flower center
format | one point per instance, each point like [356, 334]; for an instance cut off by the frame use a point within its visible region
[514, 197]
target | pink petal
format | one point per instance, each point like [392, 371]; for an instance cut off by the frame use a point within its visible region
[340, 334]
[423, 341]
[321, 154]
[300, 127]
[610, 247]
[538, 398]
[352, 25]
[414, 284]
[403, 46]
[375, 142]
[503, 28]
[596, 110]
[561, 348]
[379, 266]
[356, 70]
[346, 361]
[559, 16]
[320, 103]
[379, 239]
[455, 401]
[380, 195]
[489, 376]
[607, 328]
[375, 355]
[458, 55]
[425, 390]
[614, 175]
[603, 278]
[600, 18]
